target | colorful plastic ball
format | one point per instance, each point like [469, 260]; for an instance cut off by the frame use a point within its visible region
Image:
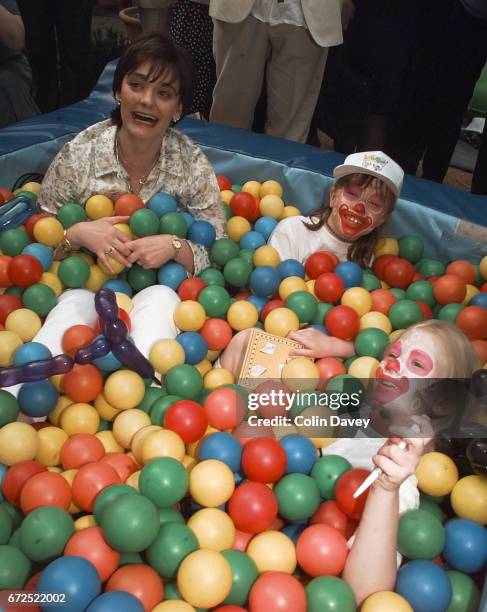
[237, 272]
[281, 321]
[13, 242]
[90, 545]
[405, 313]
[90, 479]
[259, 301]
[70, 214]
[171, 274]
[217, 333]
[421, 535]
[466, 596]
[252, 507]
[329, 593]
[469, 498]
[194, 346]
[116, 600]
[277, 591]
[39, 298]
[98, 206]
[271, 206]
[270, 187]
[118, 285]
[291, 267]
[37, 399]
[237, 227]
[184, 380]
[80, 449]
[24, 324]
[244, 574]
[188, 419]
[449, 312]
[124, 389]
[422, 291]
[213, 529]
[79, 418]
[173, 223]
[44, 533]
[272, 551]
[449, 288]
[83, 383]
[265, 226]
[345, 487]
[465, 545]
[211, 483]
[223, 447]
[377, 320]
[437, 474]
[74, 272]
[48, 231]
[252, 240]
[144, 222]
[386, 601]
[411, 248]
[223, 250]
[15, 567]
[464, 269]
[45, 489]
[31, 351]
[162, 203]
[245, 205]
[43, 253]
[9, 409]
[204, 578]
[25, 270]
[472, 320]
[242, 315]
[350, 273]
[202, 232]
[318, 263]
[130, 523]
[424, 585]
[264, 280]
[386, 246]
[371, 342]
[225, 408]
[172, 544]
[329, 287]
[215, 300]
[321, 550]
[357, 298]
[370, 282]
[342, 322]
[264, 460]
[297, 496]
[76, 337]
[267, 256]
[18, 442]
[303, 304]
[139, 580]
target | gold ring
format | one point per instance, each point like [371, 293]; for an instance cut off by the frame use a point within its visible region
[109, 251]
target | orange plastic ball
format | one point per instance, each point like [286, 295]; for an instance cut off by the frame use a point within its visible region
[449, 289]
[472, 320]
[45, 489]
[90, 480]
[127, 204]
[90, 544]
[76, 337]
[139, 580]
[464, 269]
[83, 383]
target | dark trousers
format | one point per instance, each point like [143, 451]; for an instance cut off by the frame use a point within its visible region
[59, 48]
[450, 52]
[479, 180]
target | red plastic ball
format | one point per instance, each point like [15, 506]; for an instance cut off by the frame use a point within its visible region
[6, 194]
[90, 544]
[16, 476]
[127, 204]
[244, 204]
[80, 449]
[319, 263]
[253, 507]
[83, 383]
[217, 334]
[464, 269]
[242, 295]
[224, 183]
[417, 276]
[30, 223]
[8, 303]
[321, 550]
[188, 419]
[121, 463]
[342, 322]
[269, 306]
[190, 288]
[45, 489]
[225, 408]
[399, 273]
[141, 581]
[329, 287]
[329, 367]
[328, 513]
[76, 337]
[245, 432]
[5, 280]
[25, 270]
[90, 480]
[278, 592]
[483, 288]
[241, 540]
[264, 460]
[380, 263]
[345, 487]
[425, 309]
[449, 289]
[382, 300]
[472, 320]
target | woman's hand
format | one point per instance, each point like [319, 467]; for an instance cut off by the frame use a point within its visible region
[316, 344]
[102, 238]
[397, 463]
[151, 251]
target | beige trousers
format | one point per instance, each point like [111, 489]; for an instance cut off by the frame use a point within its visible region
[293, 63]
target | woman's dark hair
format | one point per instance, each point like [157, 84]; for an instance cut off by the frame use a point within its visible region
[360, 251]
[164, 54]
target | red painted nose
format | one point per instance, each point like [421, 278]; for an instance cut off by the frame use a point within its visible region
[359, 208]
[393, 365]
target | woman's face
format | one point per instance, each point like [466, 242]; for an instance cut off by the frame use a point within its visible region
[147, 107]
[357, 210]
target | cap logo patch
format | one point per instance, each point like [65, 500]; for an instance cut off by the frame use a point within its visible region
[374, 162]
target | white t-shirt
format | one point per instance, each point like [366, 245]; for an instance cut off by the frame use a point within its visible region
[274, 12]
[292, 240]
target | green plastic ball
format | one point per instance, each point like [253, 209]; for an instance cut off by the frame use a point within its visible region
[171, 545]
[13, 241]
[169, 515]
[449, 312]
[329, 594]
[150, 396]
[45, 532]
[303, 304]
[184, 380]
[70, 214]
[399, 294]
[237, 272]
[371, 342]
[432, 507]
[9, 408]
[173, 223]
[297, 496]
[107, 495]
[404, 313]
[14, 567]
[26, 194]
[248, 255]
[212, 276]
[465, 593]
[411, 248]
[431, 267]
[140, 278]
[13, 290]
[345, 383]
[421, 535]
[423, 291]
[129, 558]
[6, 526]
[370, 282]
[228, 212]
[244, 574]
[74, 272]
[160, 407]
[223, 250]
[236, 188]
[15, 513]
[348, 362]
[144, 222]
[130, 523]
[326, 472]
[164, 481]
[39, 298]
[322, 309]
[15, 539]
[215, 300]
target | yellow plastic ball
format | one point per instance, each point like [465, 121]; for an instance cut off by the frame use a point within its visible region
[300, 374]
[290, 285]
[266, 256]
[18, 442]
[55, 414]
[469, 498]
[124, 389]
[310, 286]
[386, 246]
[242, 315]
[51, 440]
[54, 267]
[396, 334]
[375, 319]
[270, 188]
[52, 281]
[83, 522]
[23, 322]
[68, 476]
[163, 443]
[384, 285]
[127, 424]
[281, 321]
[357, 298]
[79, 418]
[189, 315]
[211, 483]
[133, 480]
[124, 302]
[237, 227]
[96, 278]
[213, 355]
[252, 187]
[189, 462]
[204, 366]
[204, 578]
[217, 377]
[386, 601]
[9, 343]
[290, 211]
[58, 381]
[165, 354]
[471, 292]
[125, 229]
[116, 266]
[98, 206]
[106, 411]
[90, 260]
[139, 438]
[363, 367]
[437, 474]
[483, 267]
[271, 206]
[173, 605]
[226, 196]
[273, 551]
[213, 529]
[32, 186]
[48, 231]
[109, 443]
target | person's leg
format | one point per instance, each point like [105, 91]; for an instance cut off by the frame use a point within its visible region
[240, 51]
[479, 180]
[232, 357]
[294, 76]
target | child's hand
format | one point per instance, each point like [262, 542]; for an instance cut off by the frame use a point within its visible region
[396, 463]
[316, 344]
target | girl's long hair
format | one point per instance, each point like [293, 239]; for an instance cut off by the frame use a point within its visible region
[360, 251]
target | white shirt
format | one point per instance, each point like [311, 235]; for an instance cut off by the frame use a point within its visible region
[274, 12]
[292, 240]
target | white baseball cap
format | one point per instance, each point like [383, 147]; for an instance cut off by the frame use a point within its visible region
[376, 164]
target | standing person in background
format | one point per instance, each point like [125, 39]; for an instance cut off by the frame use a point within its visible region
[479, 180]
[58, 37]
[286, 39]
[16, 102]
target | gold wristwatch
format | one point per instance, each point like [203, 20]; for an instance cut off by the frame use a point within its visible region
[177, 246]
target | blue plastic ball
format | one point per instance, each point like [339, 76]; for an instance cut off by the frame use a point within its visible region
[321, 327]
[171, 274]
[194, 345]
[116, 601]
[37, 399]
[264, 280]
[350, 273]
[425, 585]
[74, 576]
[31, 351]
[258, 301]
[252, 240]
[293, 531]
[108, 363]
[223, 447]
[465, 545]
[479, 300]
[291, 267]
[265, 226]
[301, 453]
[162, 203]
[41, 252]
[118, 285]
[202, 232]
[188, 217]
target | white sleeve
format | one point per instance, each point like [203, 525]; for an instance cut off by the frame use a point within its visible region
[284, 243]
